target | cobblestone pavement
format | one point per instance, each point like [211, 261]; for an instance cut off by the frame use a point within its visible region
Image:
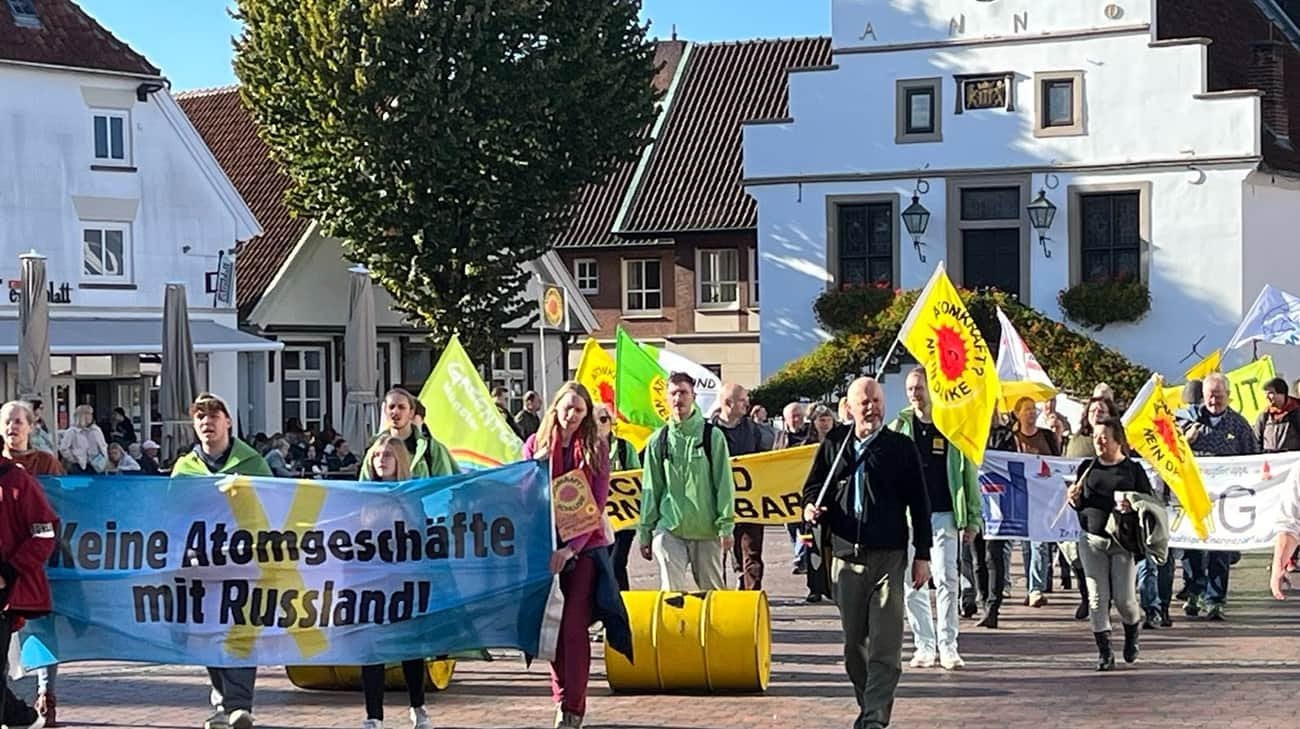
[1034, 672]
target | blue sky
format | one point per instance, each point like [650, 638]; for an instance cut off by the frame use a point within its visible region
[190, 39]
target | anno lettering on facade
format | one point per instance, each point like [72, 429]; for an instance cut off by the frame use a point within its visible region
[61, 294]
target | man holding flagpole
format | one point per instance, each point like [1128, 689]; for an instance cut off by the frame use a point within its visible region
[866, 482]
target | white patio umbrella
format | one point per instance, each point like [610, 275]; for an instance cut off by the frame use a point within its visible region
[361, 375]
[178, 388]
[33, 329]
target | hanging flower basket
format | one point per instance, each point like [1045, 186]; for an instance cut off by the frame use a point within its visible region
[1094, 304]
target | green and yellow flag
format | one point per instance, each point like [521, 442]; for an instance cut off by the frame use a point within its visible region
[596, 372]
[960, 373]
[641, 389]
[461, 414]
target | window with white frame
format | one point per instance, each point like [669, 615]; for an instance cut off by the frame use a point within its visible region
[753, 277]
[587, 273]
[643, 286]
[112, 136]
[719, 277]
[303, 385]
[512, 370]
[106, 251]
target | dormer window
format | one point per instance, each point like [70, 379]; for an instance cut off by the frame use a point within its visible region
[24, 12]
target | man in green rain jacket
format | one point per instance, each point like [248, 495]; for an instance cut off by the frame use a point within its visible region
[688, 508]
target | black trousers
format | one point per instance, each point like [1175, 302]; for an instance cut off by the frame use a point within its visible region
[623, 543]
[372, 683]
[990, 569]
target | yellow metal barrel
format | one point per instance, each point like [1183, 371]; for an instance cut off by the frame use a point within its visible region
[348, 678]
[695, 641]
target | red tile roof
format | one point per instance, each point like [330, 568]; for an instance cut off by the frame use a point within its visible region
[591, 218]
[67, 36]
[1233, 26]
[227, 127]
[692, 182]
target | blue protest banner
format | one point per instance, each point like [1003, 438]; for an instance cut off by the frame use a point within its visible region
[237, 571]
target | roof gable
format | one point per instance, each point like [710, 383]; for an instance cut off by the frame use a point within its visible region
[227, 127]
[590, 220]
[693, 179]
[64, 35]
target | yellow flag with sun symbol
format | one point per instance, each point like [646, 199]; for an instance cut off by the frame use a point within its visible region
[960, 372]
[1152, 431]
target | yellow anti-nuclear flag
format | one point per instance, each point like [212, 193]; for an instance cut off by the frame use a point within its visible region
[960, 374]
[1153, 432]
[596, 371]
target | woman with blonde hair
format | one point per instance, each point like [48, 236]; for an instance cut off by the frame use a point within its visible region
[569, 440]
[387, 460]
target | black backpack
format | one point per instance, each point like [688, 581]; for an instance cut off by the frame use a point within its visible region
[708, 442]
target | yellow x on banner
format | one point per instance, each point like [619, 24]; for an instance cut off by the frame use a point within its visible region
[769, 489]
[304, 512]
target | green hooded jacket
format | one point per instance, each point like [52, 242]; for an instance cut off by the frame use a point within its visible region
[681, 492]
[243, 461]
[430, 458]
[963, 478]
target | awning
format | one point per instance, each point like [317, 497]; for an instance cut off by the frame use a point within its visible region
[92, 335]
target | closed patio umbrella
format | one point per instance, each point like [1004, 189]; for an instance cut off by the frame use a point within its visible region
[178, 388]
[33, 329]
[361, 375]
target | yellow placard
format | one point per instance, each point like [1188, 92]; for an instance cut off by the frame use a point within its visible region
[769, 489]
[575, 509]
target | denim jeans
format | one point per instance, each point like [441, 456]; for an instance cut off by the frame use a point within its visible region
[944, 569]
[1155, 584]
[1208, 575]
[1038, 563]
[800, 549]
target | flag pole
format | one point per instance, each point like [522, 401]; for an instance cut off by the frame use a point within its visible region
[880, 376]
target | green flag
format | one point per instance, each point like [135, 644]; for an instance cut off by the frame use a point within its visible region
[462, 415]
[640, 384]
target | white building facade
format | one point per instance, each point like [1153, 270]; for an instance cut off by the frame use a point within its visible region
[106, 178]
[976, 107]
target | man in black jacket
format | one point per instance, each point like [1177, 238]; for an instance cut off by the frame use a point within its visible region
[875, 483]
[744, 437]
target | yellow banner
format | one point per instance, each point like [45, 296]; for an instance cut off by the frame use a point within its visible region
[1247, 396]
[769, 489]
[960, 374]
[1210, 364]
[1152, 431]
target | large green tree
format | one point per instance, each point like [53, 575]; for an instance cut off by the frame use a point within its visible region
[442, 140]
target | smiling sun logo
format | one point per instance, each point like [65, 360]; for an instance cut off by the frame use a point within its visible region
[1168, 436]
[951, 349]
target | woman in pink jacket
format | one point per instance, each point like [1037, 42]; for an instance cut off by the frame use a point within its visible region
[569, 440]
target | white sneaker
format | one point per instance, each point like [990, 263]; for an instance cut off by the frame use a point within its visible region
[922, 659]
[218, 720]
[951, 660]
[372, 724]
[419, 719]
[241, 719]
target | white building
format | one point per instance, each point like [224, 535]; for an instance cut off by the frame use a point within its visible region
[294, 289]
[105, 176]
[1144, 122]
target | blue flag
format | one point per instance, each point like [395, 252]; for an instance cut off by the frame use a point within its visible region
[239, 571]
[1274, 318]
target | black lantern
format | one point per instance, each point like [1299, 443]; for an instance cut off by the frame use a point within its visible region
[916, 219]
[1041, 214]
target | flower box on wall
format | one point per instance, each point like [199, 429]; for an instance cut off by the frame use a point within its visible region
[1094, 304]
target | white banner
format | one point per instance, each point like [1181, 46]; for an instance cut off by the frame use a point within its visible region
[1024, 498]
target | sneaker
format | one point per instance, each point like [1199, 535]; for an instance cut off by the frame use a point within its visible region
[951, 660]
[813, 598]
[922, 659]
[1215, 613]
[1192, 607]
[419, 719]
[218, 720]
[1165, 620]
[31, 721]
[1037, 599]
[241, 719]
[372, 724]
[567, 719]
